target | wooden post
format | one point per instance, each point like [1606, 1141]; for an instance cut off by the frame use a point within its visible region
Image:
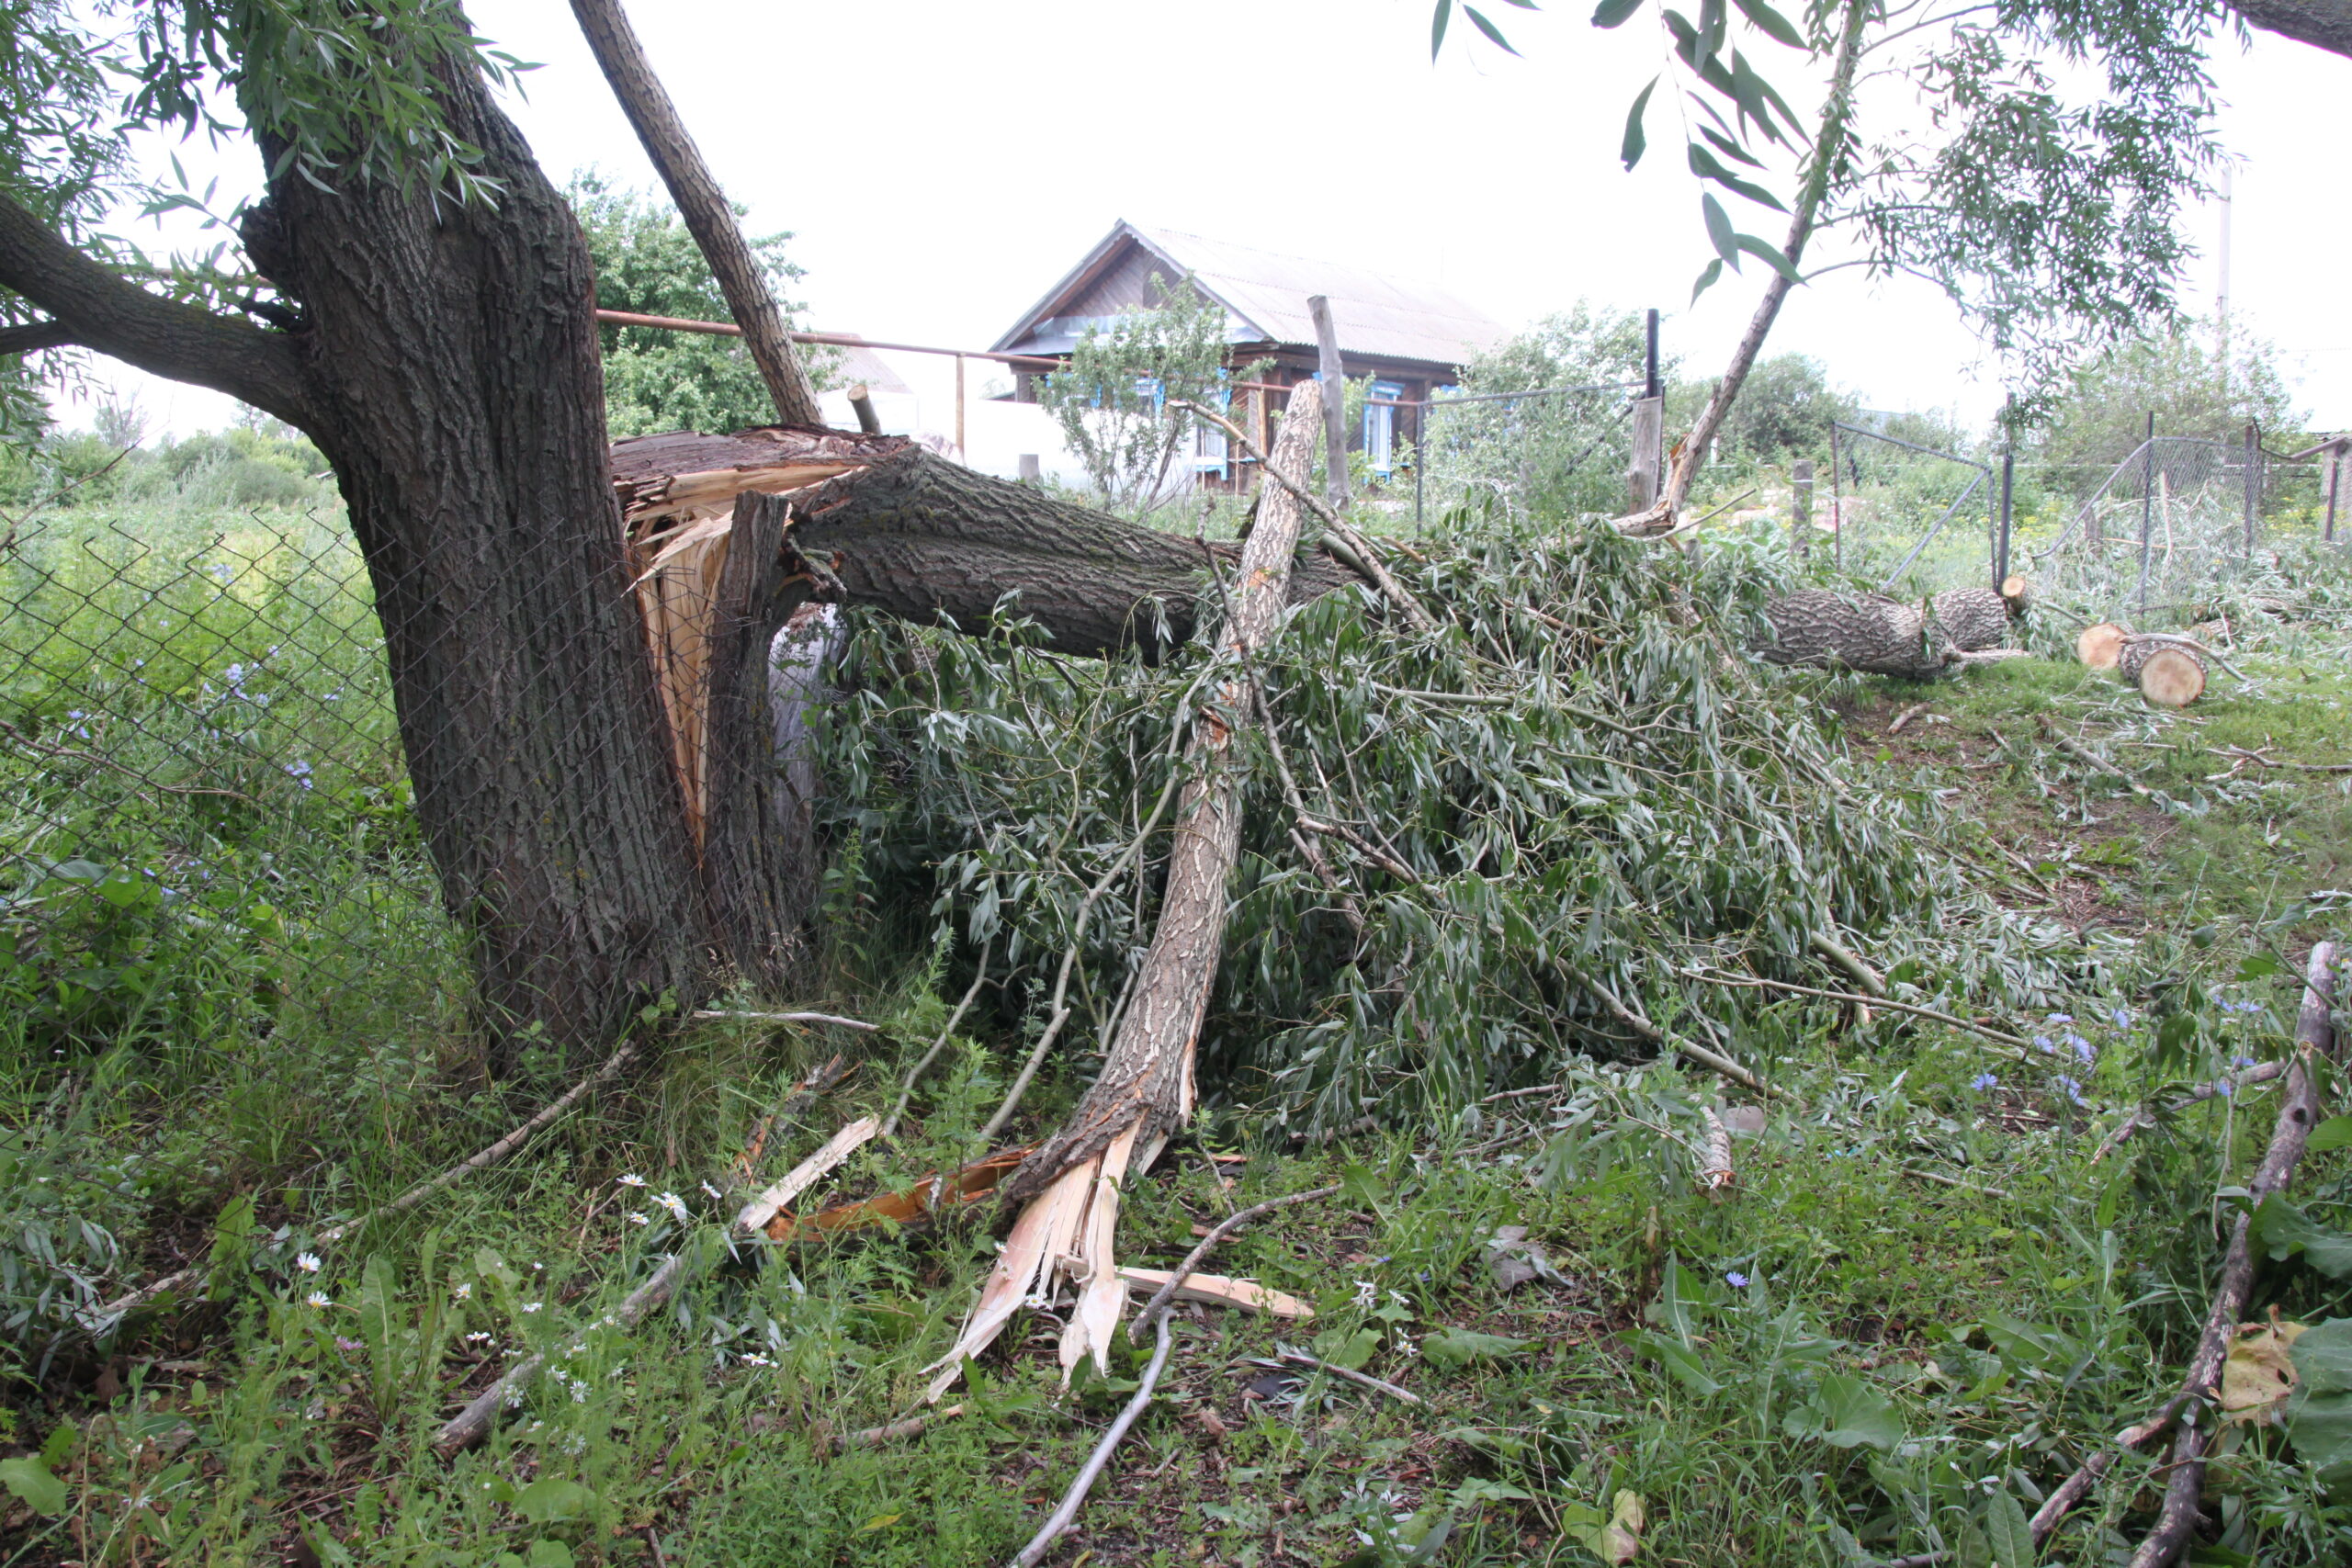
[1031, 472]
[1801, 507]
[1335, 398]
[702, 206]
[2008, 499]
[1642, 474]
[2147, 504]
[2252, 482]
[963, 455]
[2334, 482]
[1836, 504]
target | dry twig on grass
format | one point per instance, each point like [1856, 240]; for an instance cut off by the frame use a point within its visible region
[1362, 1379]
[710, 1015]
[1153, 1308]
[1060, 1519]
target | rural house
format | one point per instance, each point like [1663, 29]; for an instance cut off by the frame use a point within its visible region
[1407, 339]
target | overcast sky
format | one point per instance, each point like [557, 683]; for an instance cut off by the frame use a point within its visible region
[941, 163]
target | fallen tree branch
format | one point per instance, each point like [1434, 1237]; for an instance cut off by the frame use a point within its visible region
[830, 1442]
[1830, 947]
[718, 1015]
[2097, 763]
[1362, 1380]
[2144, 1118]
[1072, 1500]
[105, 1316]
[470, 1424]
[1970, 1025]
[2298, 1114]
[755, 1216]
[1153, 1308]
[2255, 756]
[1711, 1060]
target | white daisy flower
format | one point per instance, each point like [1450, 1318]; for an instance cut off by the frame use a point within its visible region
[318, 1299]
[755, 1360]
[675, 1205]
[533, 1306]
[632, 1180]
[479, 1336]
[640, 1218]
[463, 1291]
[714, 1193]
[308, 1262]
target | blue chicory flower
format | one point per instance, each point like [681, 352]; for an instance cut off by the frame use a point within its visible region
[2042, 1043]
[1983, 1081]
[2060, 1018]
[2073, 1091]
[1735, 1280]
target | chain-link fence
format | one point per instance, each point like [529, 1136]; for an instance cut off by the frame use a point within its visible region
[1910, 517]
[209, 839]
[1558, 451]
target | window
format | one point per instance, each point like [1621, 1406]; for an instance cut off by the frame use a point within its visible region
[1380, 425]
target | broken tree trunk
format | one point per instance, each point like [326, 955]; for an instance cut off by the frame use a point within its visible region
[1145, 1091]
[1978, 618]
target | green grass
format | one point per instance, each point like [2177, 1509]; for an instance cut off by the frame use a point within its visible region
[1920, 1300]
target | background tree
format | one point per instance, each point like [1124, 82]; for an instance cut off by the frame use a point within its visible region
[648, 264]
[2048, 218]
[2177, 375]
[1561, 454]
[1114, 402]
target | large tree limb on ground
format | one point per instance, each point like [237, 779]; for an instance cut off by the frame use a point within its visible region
[884, 522]
[1070, 1186]
[702, 204]
[1883, 636]
[94, 307]
[2323, 24]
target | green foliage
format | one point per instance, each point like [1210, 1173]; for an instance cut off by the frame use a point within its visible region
[1562, 456]
[1116, 401]
[648, 265]
[1785, 410]
[2099, 416]
[1588, 812]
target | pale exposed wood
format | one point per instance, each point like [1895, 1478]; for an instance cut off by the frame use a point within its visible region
[1209, 1241]
[1647, 426]
[755, 1215]
[2100, 644]
[701, 204]
[861, 403]
[1218, 1291]
[1335, 381]
[2166, 674]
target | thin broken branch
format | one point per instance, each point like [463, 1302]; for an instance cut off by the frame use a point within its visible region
[1362, 1379]
[1072, 1500]
[720, 1015]
[1153, 1308]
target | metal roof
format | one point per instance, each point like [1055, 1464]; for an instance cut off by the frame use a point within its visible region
[1266, 291]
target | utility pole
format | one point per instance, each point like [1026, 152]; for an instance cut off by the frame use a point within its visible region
[2009, 494]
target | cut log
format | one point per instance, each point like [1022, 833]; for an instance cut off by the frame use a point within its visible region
[2098, 645]
[1070, 1186]
[1974, 618]
[1878, 636]
[2166, 674]
[2017, 591]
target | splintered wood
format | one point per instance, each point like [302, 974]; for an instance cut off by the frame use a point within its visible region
[677, 495]
[1071, 1186]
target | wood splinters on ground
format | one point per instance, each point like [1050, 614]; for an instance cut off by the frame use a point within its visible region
[1214, 1290]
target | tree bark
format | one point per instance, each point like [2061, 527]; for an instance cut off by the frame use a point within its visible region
[702, 204]
[929, 540]
[1828, 146]
[2323, 24]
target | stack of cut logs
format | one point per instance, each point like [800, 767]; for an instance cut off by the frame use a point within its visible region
[1889, 636]
[2169, 669]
